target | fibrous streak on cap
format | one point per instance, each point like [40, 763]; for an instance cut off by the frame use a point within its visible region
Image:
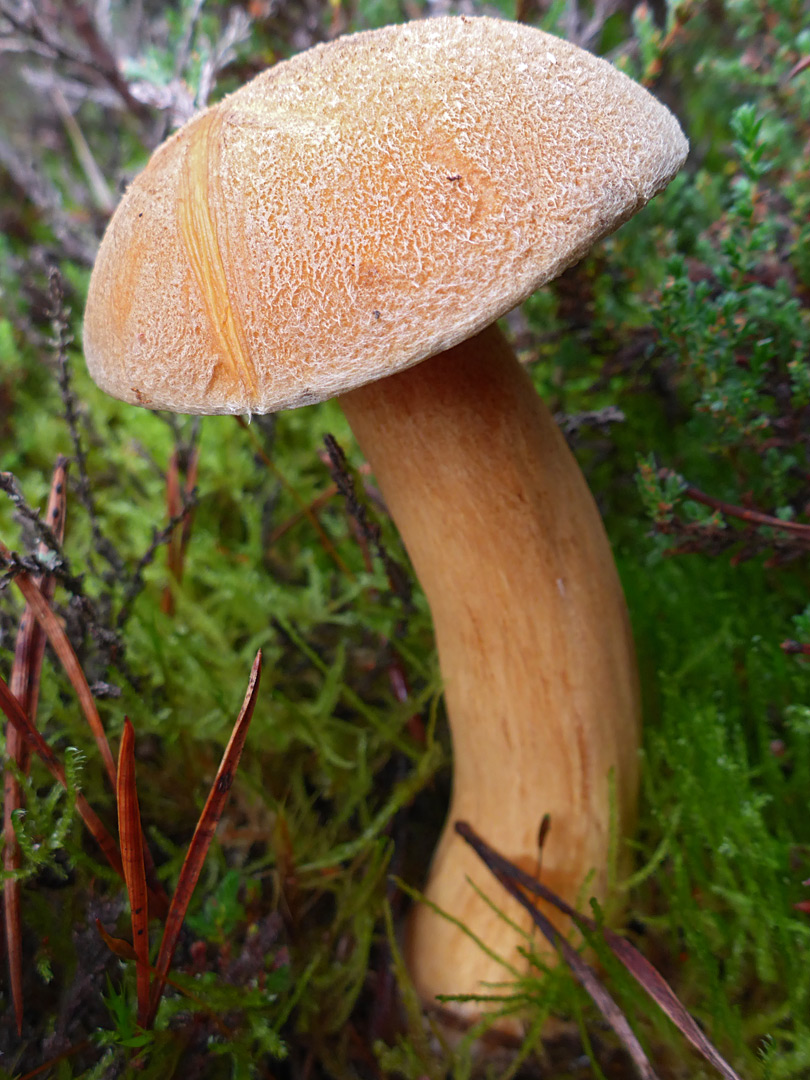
[198, 229]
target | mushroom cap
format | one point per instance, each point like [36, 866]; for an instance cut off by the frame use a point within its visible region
[362, 206]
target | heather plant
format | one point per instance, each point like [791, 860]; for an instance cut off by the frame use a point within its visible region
[677, 359]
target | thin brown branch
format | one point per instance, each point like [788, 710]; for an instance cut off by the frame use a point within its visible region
[741, 513]
[796, 648]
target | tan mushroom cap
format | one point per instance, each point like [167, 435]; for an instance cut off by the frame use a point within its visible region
[362, 206]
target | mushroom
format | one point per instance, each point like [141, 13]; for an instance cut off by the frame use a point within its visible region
[352, 222]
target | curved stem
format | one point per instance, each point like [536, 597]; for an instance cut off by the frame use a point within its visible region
[532, 634]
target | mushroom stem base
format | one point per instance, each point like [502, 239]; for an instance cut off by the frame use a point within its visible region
[533, 640]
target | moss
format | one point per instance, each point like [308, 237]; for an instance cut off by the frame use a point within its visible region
[693, 321]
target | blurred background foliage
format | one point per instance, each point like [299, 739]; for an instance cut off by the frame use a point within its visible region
[677, 358]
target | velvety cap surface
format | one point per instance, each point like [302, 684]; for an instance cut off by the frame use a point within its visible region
[362, 206]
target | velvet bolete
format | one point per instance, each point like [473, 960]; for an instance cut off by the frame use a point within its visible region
[351, 223]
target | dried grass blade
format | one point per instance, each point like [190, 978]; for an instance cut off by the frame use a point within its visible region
[641, 969]
[203, 835]
[24, 684]
[11, 707]
[64, 650]
[131, 839]
[118, 946]
[798, 67]
[664, 996]
[588, 978]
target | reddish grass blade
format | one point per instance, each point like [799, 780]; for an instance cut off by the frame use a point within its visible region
[798, 67]
[11, 707]
[311, 508]
[24, 684]
[12, 800]
[131, 839]
[121, 948]
[173, 547]
[64, 650]
[203, 835]
[641, 969]
[310, 515]
[188, 520]
[30, 645]
[181, 534]
[46, 1066]
[124, 951]
[399, 684]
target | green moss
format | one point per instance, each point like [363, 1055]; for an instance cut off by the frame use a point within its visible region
[693, 320]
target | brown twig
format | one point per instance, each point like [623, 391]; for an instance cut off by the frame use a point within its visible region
[798, 67]
[124, 951]
[96, 181]
[796, 648]
[97, 61]
[45, 197]
[300, 515]
[751, 517]
[312, 507]
[71, 1051]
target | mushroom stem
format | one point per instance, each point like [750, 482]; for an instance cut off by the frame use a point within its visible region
[533, 640]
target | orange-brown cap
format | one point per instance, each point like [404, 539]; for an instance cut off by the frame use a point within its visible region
[362, 206]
